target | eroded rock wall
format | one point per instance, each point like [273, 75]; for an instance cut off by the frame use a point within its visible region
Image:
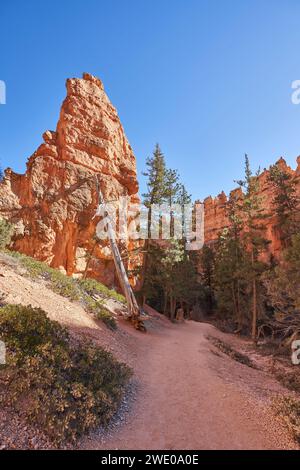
[53, 204]
[215, 210]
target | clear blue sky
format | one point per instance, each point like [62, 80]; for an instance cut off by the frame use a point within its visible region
[207, 79]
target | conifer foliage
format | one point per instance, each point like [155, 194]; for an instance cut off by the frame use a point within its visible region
[169, 276]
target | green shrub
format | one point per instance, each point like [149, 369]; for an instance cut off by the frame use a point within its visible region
[64, 285]
[5, 233]
[289, 409]
[65, 387]
[25, 329]
[34, 267]
[93, 287]
[58, 282]
[85, 289]
[97, 308]
[104, 315]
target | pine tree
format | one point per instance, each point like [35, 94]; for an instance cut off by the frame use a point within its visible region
[156, 185]
[152, 289]
[283, 290]
[207, 267]
[285, 202]
[157, 175]
[230, 279]
[252, 215]
[172, 186]
[163, 186]
[178, 276]
[165, 263]
[183, 197]
[289, 273]
[230, 262]
[171, 260]
[238, 255]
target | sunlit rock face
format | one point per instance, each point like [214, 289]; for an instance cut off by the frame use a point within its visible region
[53, 204]
[216, 213]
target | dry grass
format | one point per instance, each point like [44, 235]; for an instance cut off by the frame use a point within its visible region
[229, 351]
[288, 408]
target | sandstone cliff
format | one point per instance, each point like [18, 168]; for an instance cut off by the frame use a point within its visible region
[215, 210]
[52, 205]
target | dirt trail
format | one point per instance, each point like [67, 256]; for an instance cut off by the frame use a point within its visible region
[191, 398]
[190, 395]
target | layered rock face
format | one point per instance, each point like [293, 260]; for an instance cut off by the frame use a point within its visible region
[53, 204]
[215, 210]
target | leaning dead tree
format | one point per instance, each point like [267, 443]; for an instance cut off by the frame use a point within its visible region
[134, 312]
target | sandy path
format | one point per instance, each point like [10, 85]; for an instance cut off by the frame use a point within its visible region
[190, 398]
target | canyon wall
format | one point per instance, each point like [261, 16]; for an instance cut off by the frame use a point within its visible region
[215, 209]
[53, 204]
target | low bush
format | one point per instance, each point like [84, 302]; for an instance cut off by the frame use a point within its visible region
[5, 233]
[98, 309]
[63, 386]
[104, 315]
[93, 287]
[229, 351]
[290, 380]
[289, 409]
[89, 291]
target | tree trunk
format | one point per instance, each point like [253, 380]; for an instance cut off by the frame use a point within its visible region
[132, 305]
[165, 303]
[89, 260]
[144, 265]
[254, 312]
[254, 299]
[238, 301]
[234, 300]
[172, 307]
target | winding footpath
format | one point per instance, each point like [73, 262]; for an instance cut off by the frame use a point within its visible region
[191, 396]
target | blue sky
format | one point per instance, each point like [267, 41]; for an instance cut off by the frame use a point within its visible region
[207, 79]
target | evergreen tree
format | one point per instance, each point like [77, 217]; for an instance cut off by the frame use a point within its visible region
[252, 215]
[156, 172]
[231, 261]
[172, 186]
[282, 281]
[165, 262]
[230, 280]
[157, 177]
[207, 267]
[152, 289]
[178, 278]
[283, 290]
[183, 197]
[172, 258]
[285, 202]
[238, 256]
